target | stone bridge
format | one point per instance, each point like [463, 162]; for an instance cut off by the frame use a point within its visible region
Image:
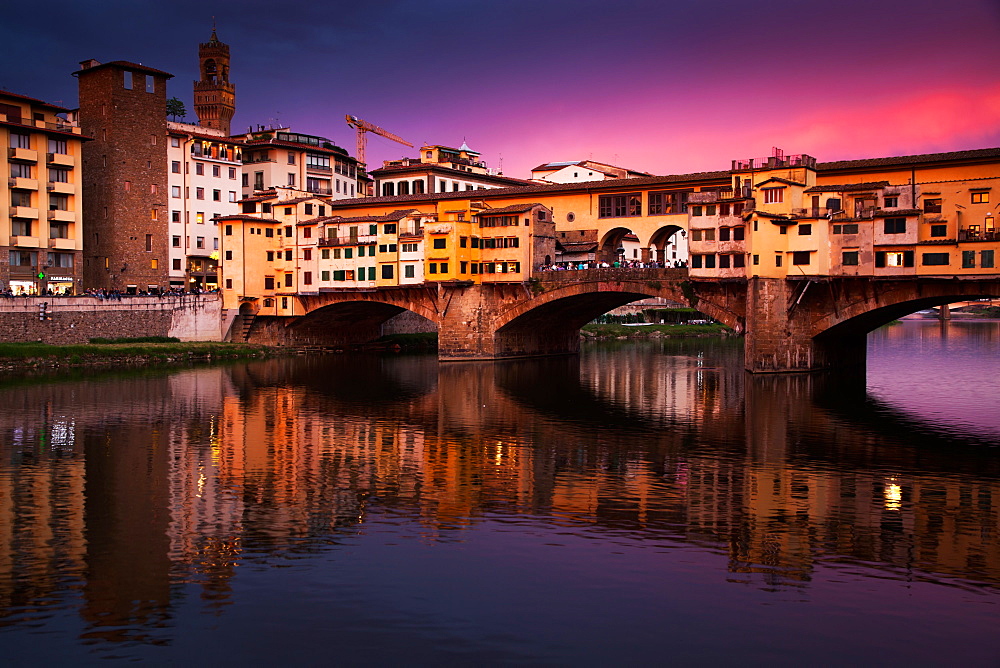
[800, 324]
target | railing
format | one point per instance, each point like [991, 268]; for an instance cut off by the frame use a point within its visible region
[775, 162]
[968, 234]
[320, 191]
[609, 274]
[62, 126]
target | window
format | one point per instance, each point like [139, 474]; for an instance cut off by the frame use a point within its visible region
[724, 234]
[800, 257]
[229, 230]
[200, 242]
[154, 263]
[777, 260]
[307, 254]
[387, 271]
[968, 259]
[288, 255]
[738, 233]
[176, 265]
[724, 261]
[232, 195]
[980, 198]
[154, 214]
[847, 228]
[986, 259]
[127, 80]
[149, 243]
[150, 84]
[216, 195]
[696, 211]
[432, 268]
[895, 225]
[440, 243]
[232, 173]
[288, 280]
[619, 206]
[175, 166]
[939, 230]
[891, 202]
[324, 275]
[199, 169]
[199, 193]
[291, 158]
[291, 179]
[20, 140]
[307, 278]
[229, 255]
[932, 206]
[773, 195]
[19, 171]
[444, 267]
[805, 229]
[308, 209]
[849, 258]
[269, 282]
[710, 210]
[199, 217]
[409, 271]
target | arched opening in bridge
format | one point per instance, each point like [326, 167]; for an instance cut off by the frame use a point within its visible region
[840, 339]
[344, 324]
[621, 245]
[668, 246]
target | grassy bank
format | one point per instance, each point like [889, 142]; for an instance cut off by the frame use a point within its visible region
[610, 331]
[123, 351]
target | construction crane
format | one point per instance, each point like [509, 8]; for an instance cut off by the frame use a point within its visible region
[362, 127]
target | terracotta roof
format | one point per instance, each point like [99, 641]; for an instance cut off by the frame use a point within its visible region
[577, 246]
[264, 195]
[235, 141]
[513, 208]
[910, 159]
[304, 147]
[37, 102]
[124, 64]
[247, 217]
[848, 187]
[315, 221]
[430, 167]
[297, 200]
[779, 180]
[616, 185]
[396, 215]
[889, 213]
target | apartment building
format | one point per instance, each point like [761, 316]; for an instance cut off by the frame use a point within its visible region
[438, 169]
[204, 181]
[280, 158]
[41, 207]
[782, 216]
[286, 244]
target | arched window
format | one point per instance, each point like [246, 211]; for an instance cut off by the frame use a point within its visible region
[388, 189]
[418, 187]
[404, 187]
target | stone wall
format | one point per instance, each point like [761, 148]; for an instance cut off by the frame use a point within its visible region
[79, 319]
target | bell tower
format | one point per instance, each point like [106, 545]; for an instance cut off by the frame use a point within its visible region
[214, 96]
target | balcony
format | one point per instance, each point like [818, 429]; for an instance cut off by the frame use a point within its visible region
[61, 216]
[320, 191]
[23, 212]
[976, 233]
[62, 244]
[24, 242]
[61, 124]
[60, 187]
[25, 154]
[59, 159]
[317, 168]
[22, 183]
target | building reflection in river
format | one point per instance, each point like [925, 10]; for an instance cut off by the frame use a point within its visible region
[121, 489]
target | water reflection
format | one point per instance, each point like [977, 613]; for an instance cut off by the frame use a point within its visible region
[123, 495]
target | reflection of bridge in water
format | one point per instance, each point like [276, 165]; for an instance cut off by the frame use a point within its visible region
[183, 476]
[791, 324]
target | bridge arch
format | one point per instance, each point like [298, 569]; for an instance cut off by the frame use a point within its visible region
[550, 322]
[866, 312]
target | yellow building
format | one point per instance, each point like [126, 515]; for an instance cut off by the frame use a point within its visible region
[40, 220]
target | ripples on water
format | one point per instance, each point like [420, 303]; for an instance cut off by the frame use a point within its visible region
[643, 502]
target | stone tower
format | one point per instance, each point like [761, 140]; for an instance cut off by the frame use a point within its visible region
[214, 96]
[125, 194]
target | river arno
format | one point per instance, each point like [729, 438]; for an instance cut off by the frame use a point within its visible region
[645, 502]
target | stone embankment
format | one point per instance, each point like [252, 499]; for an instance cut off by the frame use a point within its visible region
[68, 320]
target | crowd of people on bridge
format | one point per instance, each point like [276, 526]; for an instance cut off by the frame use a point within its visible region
[627, 264]
[105, 294]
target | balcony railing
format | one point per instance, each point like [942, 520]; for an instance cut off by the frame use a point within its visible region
[976, 234]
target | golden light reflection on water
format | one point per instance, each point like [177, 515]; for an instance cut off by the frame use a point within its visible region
[181, 478]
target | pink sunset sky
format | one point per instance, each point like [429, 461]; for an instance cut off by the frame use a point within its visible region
[664, 87]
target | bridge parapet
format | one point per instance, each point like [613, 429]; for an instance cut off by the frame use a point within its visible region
[610, 274]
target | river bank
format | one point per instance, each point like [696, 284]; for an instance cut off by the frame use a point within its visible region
[25, 356]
